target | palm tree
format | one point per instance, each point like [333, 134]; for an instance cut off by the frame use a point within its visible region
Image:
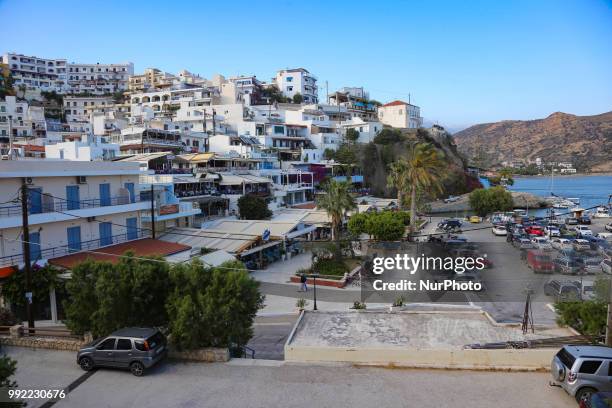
[397, 178]
[336, 201]
[424, 167]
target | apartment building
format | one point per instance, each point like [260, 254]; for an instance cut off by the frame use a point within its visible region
[356, 101]
[88, 148]
[367, 130]
[58, 75]
[99, 78]
[80, 108]
[20, 122]
[72, 206]
[37, 73]
[150, 79]
[293, 81]
[400, 114]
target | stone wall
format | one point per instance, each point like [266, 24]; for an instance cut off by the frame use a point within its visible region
[208, 355]
[43, 342]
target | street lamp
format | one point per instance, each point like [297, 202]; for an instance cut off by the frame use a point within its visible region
[314, 294]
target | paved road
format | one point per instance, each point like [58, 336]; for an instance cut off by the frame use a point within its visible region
[270, 336]
[268, 384]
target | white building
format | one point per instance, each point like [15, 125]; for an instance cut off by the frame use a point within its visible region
[399, 114]
[89, 148]
[293, 81]
[367, 130]
[20, 122]
[74, 205]
[99, 78]
[37, 73]
[80, 108]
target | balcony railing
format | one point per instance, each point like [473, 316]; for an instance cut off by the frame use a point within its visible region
[56, 252]
[67, 205]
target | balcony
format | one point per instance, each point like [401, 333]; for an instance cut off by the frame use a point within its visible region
[54, 210]
[56, 252]
[172, 211]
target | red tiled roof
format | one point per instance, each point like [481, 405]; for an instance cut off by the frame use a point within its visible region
[395, 103]
[140, 247]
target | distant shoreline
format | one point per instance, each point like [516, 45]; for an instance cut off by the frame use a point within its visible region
[562, 175]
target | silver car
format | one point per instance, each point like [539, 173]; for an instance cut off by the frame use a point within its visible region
[134, 348]
[582, 370]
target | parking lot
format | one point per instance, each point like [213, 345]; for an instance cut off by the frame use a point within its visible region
[253, 383]
[508, 281]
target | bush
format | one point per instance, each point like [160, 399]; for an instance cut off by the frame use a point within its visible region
[388, 136]
[7, 318]
[212, 307]
[105, 297]
[486, 201]
[253, 208]
[382, 226]
[588, 317]
[43, 279]
[8, 366]
[330, 266]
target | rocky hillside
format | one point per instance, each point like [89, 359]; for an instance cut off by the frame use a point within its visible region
[584, 140]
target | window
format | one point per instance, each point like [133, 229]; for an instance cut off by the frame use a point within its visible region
[279, 130]
[289, 88]
[139, 345]
[289, 79]
[124, 344]
[108, 344]
[589, 366]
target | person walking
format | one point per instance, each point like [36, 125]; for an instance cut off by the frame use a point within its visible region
[303, 287]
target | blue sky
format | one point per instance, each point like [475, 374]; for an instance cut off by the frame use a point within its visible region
[462, 62]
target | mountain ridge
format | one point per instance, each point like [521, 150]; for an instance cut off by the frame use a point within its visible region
[585, 141]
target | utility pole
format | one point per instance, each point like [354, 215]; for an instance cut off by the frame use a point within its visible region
[10, 130]
[609, 316]
[152, 211]
[26, 252]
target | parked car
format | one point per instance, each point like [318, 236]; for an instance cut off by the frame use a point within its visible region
[571, 221]
[581, 245]
[561, 243]
[583, 230]
[590, 265]
[598, 400]
[134, 348]
[606, 236]
[541, 243]
[566, 266]
[474, 219]
[552, 231]
[451, 199]
[535, 230]
[523, 243]
[582, 370]
[606, 266]
[499, 230]
[562, 290]
[608, 227]
[450, 225]
[539, 261]
[585, 220]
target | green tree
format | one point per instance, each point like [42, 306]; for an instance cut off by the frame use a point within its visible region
[8, 366]
[329, 154]
[424, 170]
[336, 200]
[388, 136]
[397, 178]
[588, 317]
[486, 201]
[351, 135]
[212, 307]
[506, 174]
[251, 207]
[357, 224]
[43, 279]
[382, 226]
[298, 98]
[105, 297]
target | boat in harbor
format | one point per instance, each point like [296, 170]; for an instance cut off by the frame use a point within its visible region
[602, 212]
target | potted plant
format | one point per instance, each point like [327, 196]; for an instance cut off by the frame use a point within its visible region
[357, 305]
[397, 304]
[300, 304]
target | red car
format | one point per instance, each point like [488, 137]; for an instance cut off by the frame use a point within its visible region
[535, 230]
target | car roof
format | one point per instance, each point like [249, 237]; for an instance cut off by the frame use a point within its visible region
[138, 332]
[590, 351]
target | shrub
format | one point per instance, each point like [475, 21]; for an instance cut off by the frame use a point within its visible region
[7, 318]
[253, 208]
[486, 201]
[588, 317]
[331, 266]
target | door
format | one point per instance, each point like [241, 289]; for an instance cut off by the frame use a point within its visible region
[35, 199]
[123, 353]
[130, 188]
[35, 252]
[105, 352]
[132, 228]
[106, 233]
[73, 201]
[74, 239]
[105, 197]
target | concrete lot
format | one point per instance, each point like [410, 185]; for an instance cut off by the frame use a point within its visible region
[421, 330]
[270, 385]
